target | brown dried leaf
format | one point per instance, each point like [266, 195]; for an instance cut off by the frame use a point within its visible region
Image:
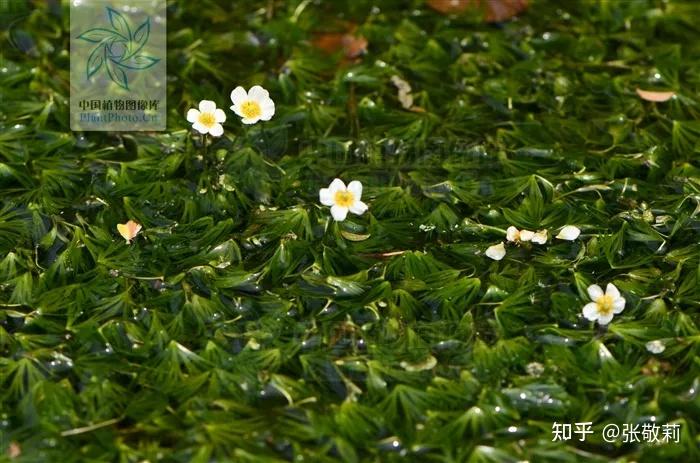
[329, 42]
[449, 6]
[14, 450]
[494, 10]
[352, 45]
[658, 97]
[500, 10]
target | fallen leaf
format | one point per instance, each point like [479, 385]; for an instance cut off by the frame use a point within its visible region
[494, 10]
[14, 450]
[658, 97]
[354, 236]
[449, 6]
[352, 45]
[500, 10]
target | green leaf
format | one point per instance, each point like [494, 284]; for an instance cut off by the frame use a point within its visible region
[99, 35]
[140, 38]
[119, 23]
[95, 61]
[116, 73]
[139, 62]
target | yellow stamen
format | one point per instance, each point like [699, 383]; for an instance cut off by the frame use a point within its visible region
[605, 304]
[344, 198]
[207, 119]
[251, 109]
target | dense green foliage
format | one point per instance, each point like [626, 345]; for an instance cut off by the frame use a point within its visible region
[243, 324]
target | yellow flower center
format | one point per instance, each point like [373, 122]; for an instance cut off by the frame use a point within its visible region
[251, 109]
[207, 119]
[605, 304]
[344, 198]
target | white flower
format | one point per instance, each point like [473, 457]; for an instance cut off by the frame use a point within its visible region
[514, 235]
[569, 233]
[342, 199]
[522, 236]
[540, 237]
[604, 305]
[207, 119]
[427, 364]
[656, 347]
[254, 105]
[496, 252]
[405, 97]
[534, 369]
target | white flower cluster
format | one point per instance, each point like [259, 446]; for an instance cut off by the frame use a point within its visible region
[251, 106]
[513, 235]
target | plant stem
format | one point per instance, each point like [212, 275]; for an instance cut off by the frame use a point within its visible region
[205, 140]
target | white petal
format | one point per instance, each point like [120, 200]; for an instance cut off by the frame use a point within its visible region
[540, 237]
[358, 208]
[220, 115]
[339, 213]
[236, 109]
[512, 234]
[400, 83]
[268, 110]
[590, 311]
[207, 106]
[569, 233]
[605, 319]
[496, 252]
[618, 305]
[238, 95]
[355, 187]
[216, 130]
[250, 121]
[258, 94]
[526, 235]
[201, 128]
[336, 186]
[655, 347]
[193, 115]
[611, 290]
[406, 99]
[325, 196]
[594, 292]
